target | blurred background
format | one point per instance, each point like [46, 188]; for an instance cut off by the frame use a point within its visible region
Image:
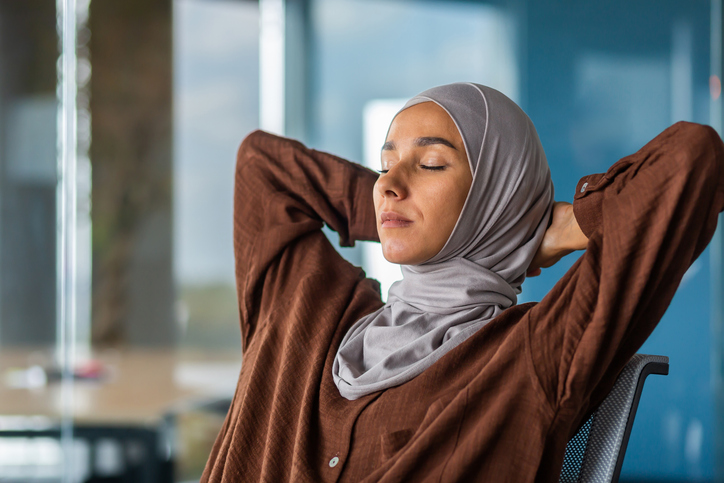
[119, 124]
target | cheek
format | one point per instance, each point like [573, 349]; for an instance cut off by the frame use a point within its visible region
[443, 202]
[443, 205]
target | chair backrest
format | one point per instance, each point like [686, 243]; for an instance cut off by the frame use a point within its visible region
[595, 454]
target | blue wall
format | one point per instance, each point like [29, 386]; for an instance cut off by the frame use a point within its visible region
[599, 85]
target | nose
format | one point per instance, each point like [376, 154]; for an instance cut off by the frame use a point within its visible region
[393, 184]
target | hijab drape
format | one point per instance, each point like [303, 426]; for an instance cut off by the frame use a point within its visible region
[478, 272]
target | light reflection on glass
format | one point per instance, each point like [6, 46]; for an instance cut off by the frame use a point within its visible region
[66, 223]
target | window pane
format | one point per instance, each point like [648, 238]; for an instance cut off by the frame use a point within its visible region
[216, 104]
[29, 387]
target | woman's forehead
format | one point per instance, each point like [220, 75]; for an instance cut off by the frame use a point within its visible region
[424, 120]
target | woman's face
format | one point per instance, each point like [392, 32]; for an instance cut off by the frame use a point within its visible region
[424, 182]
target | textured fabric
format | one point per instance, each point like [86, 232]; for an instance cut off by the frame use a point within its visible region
[501, 406]
[477, 274]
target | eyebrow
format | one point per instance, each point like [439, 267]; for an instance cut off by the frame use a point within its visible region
[420, 142]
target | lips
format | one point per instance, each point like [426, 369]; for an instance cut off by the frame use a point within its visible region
[390, 219]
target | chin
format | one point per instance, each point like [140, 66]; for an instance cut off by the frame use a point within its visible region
[394, 254]
[399, 253]
[395, 259]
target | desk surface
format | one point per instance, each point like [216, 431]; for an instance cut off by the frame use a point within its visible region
[141, 386]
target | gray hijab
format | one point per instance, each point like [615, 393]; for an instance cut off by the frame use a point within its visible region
[478, 273]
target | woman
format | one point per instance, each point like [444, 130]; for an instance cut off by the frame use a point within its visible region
[450, 380]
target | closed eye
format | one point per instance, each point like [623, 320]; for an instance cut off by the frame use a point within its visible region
[431, 168]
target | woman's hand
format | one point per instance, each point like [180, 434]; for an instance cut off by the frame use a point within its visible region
[562, 237]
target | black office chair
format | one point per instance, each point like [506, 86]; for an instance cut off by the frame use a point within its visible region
[595, 454]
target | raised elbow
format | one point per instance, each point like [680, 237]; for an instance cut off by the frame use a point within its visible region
[251, 144]
[699, 150]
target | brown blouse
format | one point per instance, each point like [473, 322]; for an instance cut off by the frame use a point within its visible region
[499, 407]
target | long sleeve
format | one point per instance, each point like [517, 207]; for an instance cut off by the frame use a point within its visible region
[285, 191]
[647, 218]
[297, 296]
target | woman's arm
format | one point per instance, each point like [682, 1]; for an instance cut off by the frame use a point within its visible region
[646, 220]
[283, 192]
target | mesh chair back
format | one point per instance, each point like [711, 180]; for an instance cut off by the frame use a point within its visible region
[595, 454]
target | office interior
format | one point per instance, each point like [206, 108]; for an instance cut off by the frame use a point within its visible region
[119, 125]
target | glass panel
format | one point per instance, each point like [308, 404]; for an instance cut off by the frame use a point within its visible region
[172, 92]
[28, 112]
[216, 104]
[216, 91]
[30, 393]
